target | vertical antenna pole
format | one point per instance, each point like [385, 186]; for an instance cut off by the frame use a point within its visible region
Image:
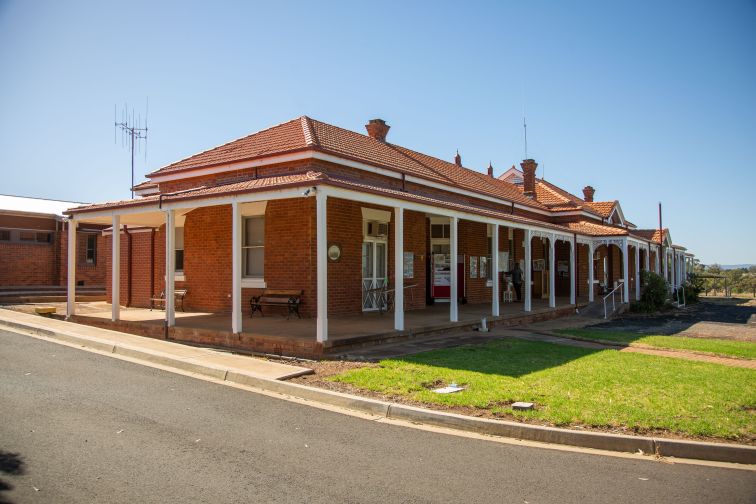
[525, 127]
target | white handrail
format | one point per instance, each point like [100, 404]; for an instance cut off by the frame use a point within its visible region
[622, 297]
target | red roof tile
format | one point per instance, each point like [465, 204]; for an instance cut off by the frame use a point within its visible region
[593, 229]
[602, 208]
[306, 133]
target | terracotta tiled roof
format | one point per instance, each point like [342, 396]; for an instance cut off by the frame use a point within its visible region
[593, 229]
[602, 208]
[147, 184]
[306, 133]
[653, 235]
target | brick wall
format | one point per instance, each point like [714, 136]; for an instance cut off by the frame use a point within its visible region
[24, 264]
[473, 242]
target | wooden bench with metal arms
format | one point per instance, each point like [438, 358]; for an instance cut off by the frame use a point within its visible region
[271, 297]
[178, 295]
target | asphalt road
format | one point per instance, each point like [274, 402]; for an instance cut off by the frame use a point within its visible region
[80, 427]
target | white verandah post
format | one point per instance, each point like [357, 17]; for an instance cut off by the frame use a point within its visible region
[495, 270]
[115, 281]
[573, 272]
[321, 236]
[528, 275]
[170, 261]
[590, 272]
[453, 297]
[625, 271]
[399, 269]
[236, 290]
[637, 272]
[552, 272]
[71, 270]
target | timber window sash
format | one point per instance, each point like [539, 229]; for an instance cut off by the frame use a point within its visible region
[91, 250]
[253, 247]
[178, 268]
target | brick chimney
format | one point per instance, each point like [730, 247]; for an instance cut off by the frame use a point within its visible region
[588, 193]
[378, 129]
[528, 175]
[458, 159]
[490, 169]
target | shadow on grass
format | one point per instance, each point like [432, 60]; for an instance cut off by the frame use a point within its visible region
[505, 357]
[13, 464]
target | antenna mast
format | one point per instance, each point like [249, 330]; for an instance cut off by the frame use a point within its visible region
[133, 131]
[525, 127]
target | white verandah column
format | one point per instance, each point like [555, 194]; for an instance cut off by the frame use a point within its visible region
[552, 272]
[170, 261]
[590, 272]
[453, 297]
[236, 262]
[71, 270]
[573, 271]
[399, 269]
[625, 272]
[495, 270]
[637, 272]
[115, 281]
[647, 259]
[321, 234]
[528, 306]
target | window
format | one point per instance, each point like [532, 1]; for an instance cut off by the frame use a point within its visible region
[179, 265]
[27, 236]
[253, 247]
[5, 235]
[440, 230]
[44, 237]
[91, 257]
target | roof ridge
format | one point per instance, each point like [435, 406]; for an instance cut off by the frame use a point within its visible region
[309, 132]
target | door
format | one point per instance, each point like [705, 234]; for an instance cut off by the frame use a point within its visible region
[374, 278]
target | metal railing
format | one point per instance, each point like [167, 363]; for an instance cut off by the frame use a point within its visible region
[619, 287]
[680, 292]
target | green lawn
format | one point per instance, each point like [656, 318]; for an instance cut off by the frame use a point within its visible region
[577, 386]
[730, 348]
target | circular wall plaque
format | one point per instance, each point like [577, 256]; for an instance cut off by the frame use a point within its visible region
[334, 252]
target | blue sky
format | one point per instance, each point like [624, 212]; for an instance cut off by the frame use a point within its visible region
[646, 101]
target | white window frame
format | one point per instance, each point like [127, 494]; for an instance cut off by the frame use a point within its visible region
[178, 274]
[251, 210]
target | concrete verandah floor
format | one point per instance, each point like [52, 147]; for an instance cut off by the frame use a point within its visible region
[274, 324]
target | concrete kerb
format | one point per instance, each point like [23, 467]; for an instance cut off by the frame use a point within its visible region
[743, 454]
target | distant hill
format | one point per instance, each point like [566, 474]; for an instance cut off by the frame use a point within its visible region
[735, 266]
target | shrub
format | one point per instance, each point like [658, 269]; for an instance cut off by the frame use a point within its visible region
[692, 288]
[653, 295]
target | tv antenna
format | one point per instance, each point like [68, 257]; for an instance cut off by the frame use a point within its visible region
[525, 127]
[132, 131]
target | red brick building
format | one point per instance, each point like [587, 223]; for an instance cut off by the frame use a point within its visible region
[34, 246]
[345, 216]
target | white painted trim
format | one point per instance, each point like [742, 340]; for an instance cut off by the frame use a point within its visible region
[573, 272]
[115, 271]
[253, 283]
[625, 271]
[71, 280]
[552, 274]
[494, 229]
[454, 288]
[170, 265]
[321, 236]
[398, 268]
[637, 273]
[373, 214]
[590, 272]
[236, 272]
[528, 306]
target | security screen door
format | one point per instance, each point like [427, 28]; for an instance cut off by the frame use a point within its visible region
[374, 266]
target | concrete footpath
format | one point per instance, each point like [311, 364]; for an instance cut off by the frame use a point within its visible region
[268, 376]
[214, 363]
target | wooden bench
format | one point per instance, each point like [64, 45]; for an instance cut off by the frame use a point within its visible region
[178, 295]
[271, 297]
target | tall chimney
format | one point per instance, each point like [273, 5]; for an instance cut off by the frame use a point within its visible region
[378, 129]
[528, 171]
[458, 159]
[490, 169]
[588, 193]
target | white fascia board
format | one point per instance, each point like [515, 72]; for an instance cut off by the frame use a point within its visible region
[349, 194]
[147, 192]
